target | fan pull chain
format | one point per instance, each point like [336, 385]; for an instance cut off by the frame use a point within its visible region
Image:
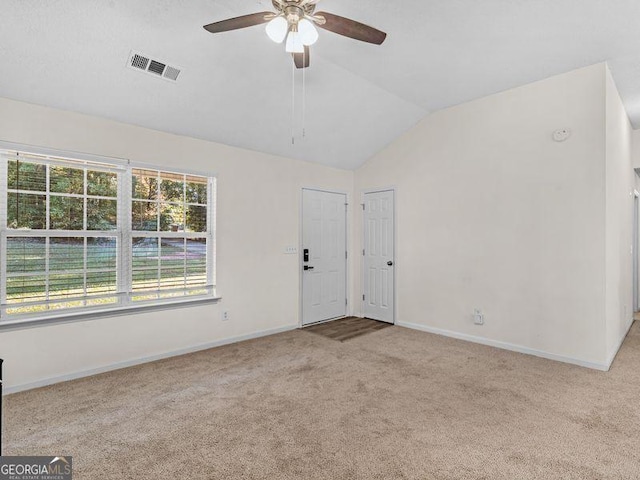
[293, 103]
[304, 91]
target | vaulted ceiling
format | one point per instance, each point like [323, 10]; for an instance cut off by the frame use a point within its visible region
[236, 87]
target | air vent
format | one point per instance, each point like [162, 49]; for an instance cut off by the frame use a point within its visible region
[171, 73]
[138, 61]
[145, 63]
[157, 67]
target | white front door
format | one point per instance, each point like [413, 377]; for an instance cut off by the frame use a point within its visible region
[324, 266]
[379, 278]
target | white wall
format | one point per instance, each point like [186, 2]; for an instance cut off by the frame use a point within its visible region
[258, 215]
[635, 160]
[492, 214]
[620, 183]
[635, 148]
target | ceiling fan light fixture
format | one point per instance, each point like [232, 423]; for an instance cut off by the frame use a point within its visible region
[277, 29]
[308, 32]
[295, 23]
[294, 43]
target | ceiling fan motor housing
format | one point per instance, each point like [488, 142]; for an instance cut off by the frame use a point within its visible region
[293, 13]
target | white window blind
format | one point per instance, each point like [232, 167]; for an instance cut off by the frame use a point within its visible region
[170, 233]
[81, 234]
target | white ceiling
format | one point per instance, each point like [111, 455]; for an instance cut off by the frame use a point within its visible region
[236, 87]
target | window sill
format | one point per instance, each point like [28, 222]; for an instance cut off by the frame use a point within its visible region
[98, 313]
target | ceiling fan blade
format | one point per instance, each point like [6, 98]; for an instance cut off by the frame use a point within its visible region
[351, 28]
[301, 59]
[239, 22]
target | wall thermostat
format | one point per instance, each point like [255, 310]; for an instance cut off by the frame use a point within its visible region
[561, 135]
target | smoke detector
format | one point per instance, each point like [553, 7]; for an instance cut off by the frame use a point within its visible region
[561, 135]
[144, 63]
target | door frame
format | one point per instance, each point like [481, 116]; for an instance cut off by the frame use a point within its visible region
[636, 246]
[348, 260]
[394, 190]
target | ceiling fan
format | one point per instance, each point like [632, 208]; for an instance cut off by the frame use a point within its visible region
[295, 20]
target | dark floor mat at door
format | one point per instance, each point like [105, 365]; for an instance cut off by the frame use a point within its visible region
[347, 328]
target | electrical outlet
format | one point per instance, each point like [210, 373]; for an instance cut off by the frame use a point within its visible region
[478, 317]
[290, 250]
[226, 316]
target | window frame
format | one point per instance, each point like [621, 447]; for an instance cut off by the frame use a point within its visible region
[124, 234]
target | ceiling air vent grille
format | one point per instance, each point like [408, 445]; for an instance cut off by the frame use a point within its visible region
[171, 73]
[138, 61]
[157, 67]
[144, 63]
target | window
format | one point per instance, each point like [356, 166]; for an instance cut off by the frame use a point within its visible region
[83, 234]
[169, 239]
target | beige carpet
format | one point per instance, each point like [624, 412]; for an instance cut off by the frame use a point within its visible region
[391, 404]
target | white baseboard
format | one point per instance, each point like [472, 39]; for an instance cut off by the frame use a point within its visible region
[612, 357]
[129, 363]
[438, 331]
[506, 346]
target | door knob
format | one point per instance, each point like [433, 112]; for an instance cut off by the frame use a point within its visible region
[390, 263]
[307, 267]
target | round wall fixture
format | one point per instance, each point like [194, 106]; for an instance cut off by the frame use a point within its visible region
[561, 135]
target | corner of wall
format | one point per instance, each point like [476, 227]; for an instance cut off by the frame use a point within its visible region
[619, 187]
[481, 183]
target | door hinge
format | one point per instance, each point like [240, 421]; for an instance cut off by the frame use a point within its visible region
[363, 252]
[362, 206]
[363, 296]
[346, 255]
[345, 301]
